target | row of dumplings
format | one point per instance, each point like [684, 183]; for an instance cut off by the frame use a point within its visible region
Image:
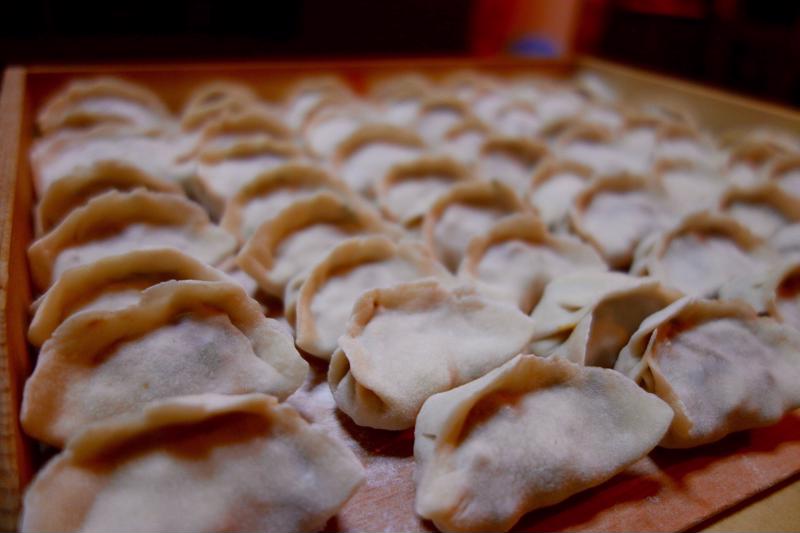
[420, 239]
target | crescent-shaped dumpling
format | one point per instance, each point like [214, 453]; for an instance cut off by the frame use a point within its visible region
[198, 463]
[763, 208]
[183, 337]
[271, 191]
[554, 185]
[117, 222]
[518, 257]
[512, 161]
[527, 435]
[111, 283]
[702, 252]
[300, 235]
[76, 189]
[407, 342]
[719, 366]
[326, 296]
[437, 115]
[465, 211]
[774, 291]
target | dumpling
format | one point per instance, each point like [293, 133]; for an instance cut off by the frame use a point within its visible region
[407, 342]
[75, 190]
[689, 187]
[273, 190]
[605, 115]
[554, 186]
[183, 337]
[527, 435]
[198, 463]
[112, 283]
[681, 142]
[363, 158]
[409, 189]
[220, 174]
[328, 127]
[53, 158]
[468, 85]
[517, 258]
[400, 96]
[213, 100]
[463, 141]
[720, 367]
[774, 291]
[597, 148]
[91, 102]
[701, 253]
[307, 94]
[301, 235]
[614, 213]
[749, 160]
[327, 294]
[574, 307]
[437, 115]
[786, 173]
[248, 126]
[465, 211]
[117, 222]
[511, 161]
[763, 208]
[517, 118]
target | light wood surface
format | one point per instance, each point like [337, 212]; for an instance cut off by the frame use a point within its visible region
[668, 491]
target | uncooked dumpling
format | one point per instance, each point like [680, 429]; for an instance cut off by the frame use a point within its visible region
[270, 192]
[466, 211]
[720, 367]
[364, 158]
[786, 173]
[616, 212]
[248, 126]
[112, 101]
[409, 189]
[437, 115]
[690, 187]
[331, 125]
[399, 97]
[701, 253]
[300, 236]
[597, 148]
[213, 100]
[75, 190]
[307, 95]
[117, 222]
[527, 435]
[774, 291]
[554, 186]
[511, 161]
[112, 283]
[326, 296]
[198, 463]
[463, 141]
[580, 298]
[221, 173]
[409, 341]
[183, 337]
[517, 258]
[764, 208]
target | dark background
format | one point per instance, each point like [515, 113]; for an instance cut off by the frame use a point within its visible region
[747, 46]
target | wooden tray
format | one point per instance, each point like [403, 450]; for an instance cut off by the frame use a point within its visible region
[667, 491]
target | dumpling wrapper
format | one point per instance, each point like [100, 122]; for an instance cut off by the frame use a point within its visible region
[75, 190]
[517, 118]
[222, 173]
[786, 173]
[272, 191]
[775, 292]
[117, 222]
[65, 153]
[326, 296]
[400, 96]
[554, 186]
[463, 141]
[614, 213]
[330, 126]
[527, 435]
[183, 337]
[465, 211]
[197, 463]
[250, 125]
[701, 253]
[596, 147]
[764, 208]
[112, 283]
[689, 187]
[407, 342]
[371, 151]
[720, 367]
[210, 101]
[309, 94]
[511, 161]
[517, 258]
[301, 235]
[86, 103]
[409, 189]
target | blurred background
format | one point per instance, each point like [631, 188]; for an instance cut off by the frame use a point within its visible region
[746, 46]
